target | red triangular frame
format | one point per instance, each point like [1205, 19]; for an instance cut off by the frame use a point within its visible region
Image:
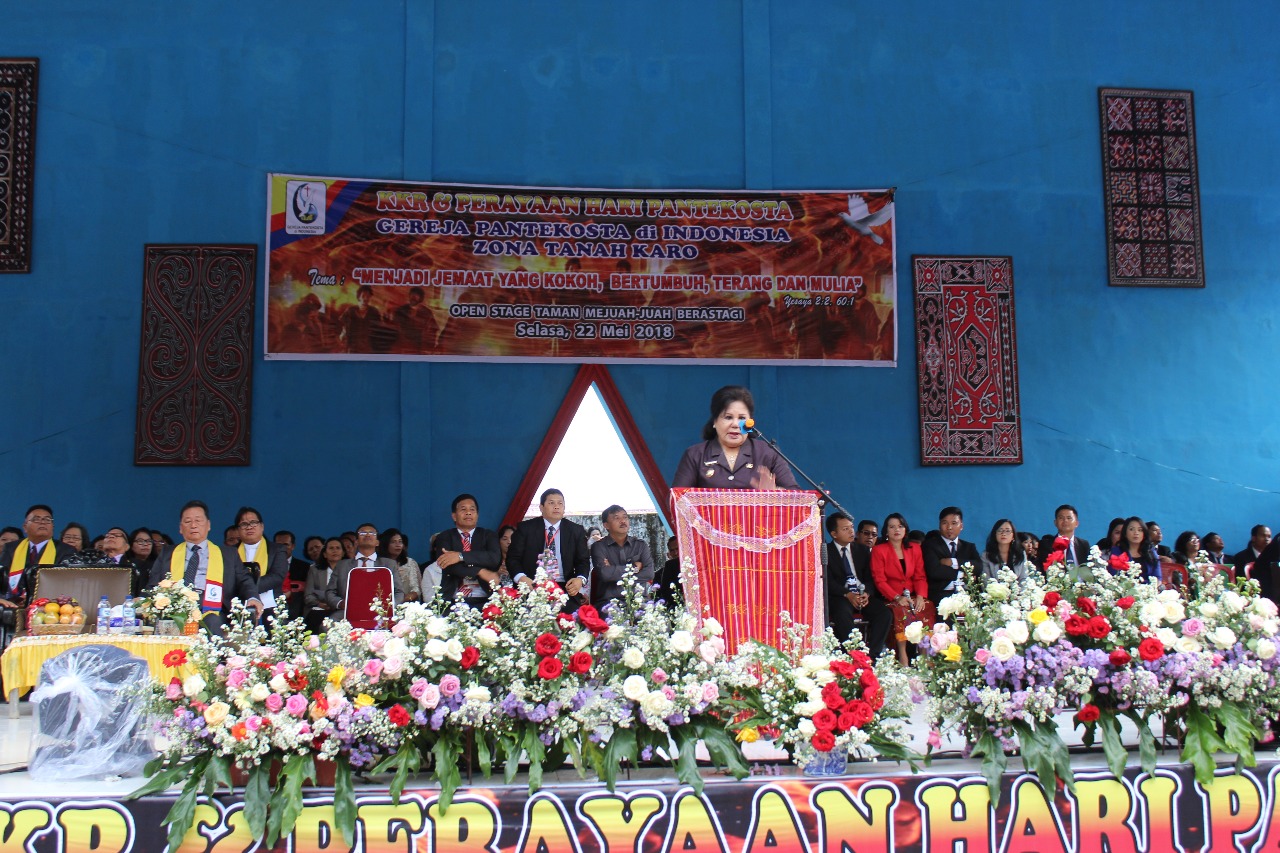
[631, 436]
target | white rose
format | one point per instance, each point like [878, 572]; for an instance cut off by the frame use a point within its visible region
[1209, 609]
[1223, 637]
[1003, 648]
[260, 692]
[806, 728]
[1174, 612]
[439, 627]
[453, 650]
[1256, 622]
[808, 709]
[711, 627]
[279, 684]
[192, 684]
[998, 591]
[1265, 607]
[632, 658]
[1152, 612]
[613, 632]
[915, 631]
[394, 648]
[655, 704]
[824, 676]
[487, 638]
[393, 667]
[1270, 626]
[477, 694]
[1168, 595]
[1048, 632]
[953, 605]
[814, 663]
[1232, 601]
[682, 641]
[580, 641]
[806, 685]
[1167, 637]
[686, 621]
[1266, 649]
[708, 651]
[635, 688]
[1018, 631]
[435, 649]
[1187, 644]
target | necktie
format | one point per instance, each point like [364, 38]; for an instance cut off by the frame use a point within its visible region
[551, 536]
[33, 556]
[364, 562]
[848, 566]
[953, 552]
[466, 542]
[193, 564]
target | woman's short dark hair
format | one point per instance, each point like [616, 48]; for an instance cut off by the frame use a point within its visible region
[721, 400]
[884, 535]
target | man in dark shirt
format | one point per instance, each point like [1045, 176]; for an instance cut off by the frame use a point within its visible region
[616, 554]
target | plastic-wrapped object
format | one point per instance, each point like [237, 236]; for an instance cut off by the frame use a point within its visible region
[91, 717]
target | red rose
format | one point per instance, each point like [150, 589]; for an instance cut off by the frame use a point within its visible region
[594, 624]
[1099, 627]
[398, 715]
[547, 644]
[1051, 600]
[844, 669]
[565, 622]
[846, 721]
[581, 662]
[834, 701]
[550, 668]
[297, 681]
[1119, 562]
[1125, 603]
[831, 688]
[1088, 714]
[869, 680]
[860, 659]
[470, 657]
[1150, 649]
[860, 713]
[825, 720]
[1087, 605]
[1120, 657]
[587, 611]
[1076, 625]
[510, 592]
[491, 611]
[1055, 557]
[874, 698]
[823, 741]
[1061, 542]
[551, 588]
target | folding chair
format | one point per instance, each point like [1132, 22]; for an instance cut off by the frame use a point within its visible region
[368, 590]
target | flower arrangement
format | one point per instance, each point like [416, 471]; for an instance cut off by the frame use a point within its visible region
[1102, 643]
[169, 599]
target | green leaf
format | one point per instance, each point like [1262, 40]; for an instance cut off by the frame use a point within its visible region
[1146, 745]
[483, 755]
[687, 759]
[257, 795]
[344, 802]
[288, 799]
[994, 762]
[724, 750]
[1201, 745]
[447, 752]
[536, 753]
[1239, 732]
[621, 747]
[183, 813]
[166, 779]
[1117, 755]
[513, 749]
[218, 772]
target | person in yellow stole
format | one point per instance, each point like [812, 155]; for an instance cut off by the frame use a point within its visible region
[20, 561]
[214, 571]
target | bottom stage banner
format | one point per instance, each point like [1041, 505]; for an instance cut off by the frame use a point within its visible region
[1162, 811]
[754, 555]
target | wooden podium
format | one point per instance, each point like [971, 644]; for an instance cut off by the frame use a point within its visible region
[749, 556]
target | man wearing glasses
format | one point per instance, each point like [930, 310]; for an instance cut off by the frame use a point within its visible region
[20, 561]
[366, 557]
[266, 561]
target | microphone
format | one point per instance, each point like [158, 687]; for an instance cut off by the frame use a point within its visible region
[746, 425]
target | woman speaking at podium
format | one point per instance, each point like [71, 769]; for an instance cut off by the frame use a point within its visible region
[728, 458]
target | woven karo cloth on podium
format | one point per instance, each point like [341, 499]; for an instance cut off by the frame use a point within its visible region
[1151, 187]
[17, 161]
[196, 362]
[967, 357]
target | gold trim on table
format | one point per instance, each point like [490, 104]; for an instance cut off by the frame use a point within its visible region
[21, 662]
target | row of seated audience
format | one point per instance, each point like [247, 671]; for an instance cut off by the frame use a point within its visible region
[874, 565]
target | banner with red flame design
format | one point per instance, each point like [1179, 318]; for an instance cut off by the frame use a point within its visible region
[360, 269]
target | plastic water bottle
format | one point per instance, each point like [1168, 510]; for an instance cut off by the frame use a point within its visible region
[104, 615]
[127, 623]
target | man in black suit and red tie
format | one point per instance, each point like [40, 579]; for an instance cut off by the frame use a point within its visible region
[562, 541]
[468, 556]
[20, 561]
[945, 552]
[1074, 550]
[850, 588]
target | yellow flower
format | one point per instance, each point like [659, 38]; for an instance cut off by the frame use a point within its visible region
[364, 700]
[166, 583]
[953, 653]
[216, 714]
[748, 734]
[336, 675]
[1038, 615]
[162, 601]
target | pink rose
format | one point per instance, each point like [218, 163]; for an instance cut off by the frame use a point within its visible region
[274, 703]
[659, 676]
[710, 692]
[934, 740]
[296, 705]
[304, 730]
[376, 640]
[253, 723]
[1192, 627]
[981, 655]
[401, 629]
[668, 692]
[450, 685]
[417, 688]
[373, 669]
[236, 679]
[313, 643]
[430, 697]
[280, 668]
[219, 670]
[392, 667]
[174, 691]
[237, 661]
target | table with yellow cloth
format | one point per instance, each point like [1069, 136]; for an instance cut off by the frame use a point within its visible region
[21, 662]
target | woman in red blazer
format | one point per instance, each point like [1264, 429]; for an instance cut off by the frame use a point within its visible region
[897, 568]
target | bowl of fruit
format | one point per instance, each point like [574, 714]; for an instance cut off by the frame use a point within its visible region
[62, 615]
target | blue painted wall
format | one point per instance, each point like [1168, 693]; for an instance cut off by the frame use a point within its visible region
[158, 123]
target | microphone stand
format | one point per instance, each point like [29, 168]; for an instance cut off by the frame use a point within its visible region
[826, 494]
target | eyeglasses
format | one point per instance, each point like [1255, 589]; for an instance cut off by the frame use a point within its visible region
[249, 525]
[367, 533]
[111, 534]
[40, 519]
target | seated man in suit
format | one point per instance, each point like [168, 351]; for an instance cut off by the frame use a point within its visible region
[561, 545]
[468, 556]
[21, 560]
[850, 588]
[614, 555]
[945, 553]
[267, 562]
[297, 573]
[1259, 539]
[366, 558]
[213, 570]
[1066, 546]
